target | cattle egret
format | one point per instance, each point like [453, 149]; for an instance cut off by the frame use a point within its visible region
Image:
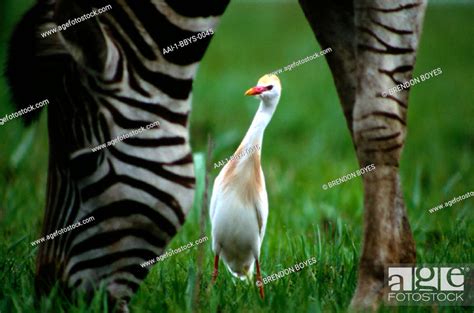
[239, 204]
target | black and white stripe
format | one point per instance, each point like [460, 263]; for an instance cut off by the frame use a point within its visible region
[113, 78]
[386, 43]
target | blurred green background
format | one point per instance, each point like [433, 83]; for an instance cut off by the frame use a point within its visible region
[306, 145]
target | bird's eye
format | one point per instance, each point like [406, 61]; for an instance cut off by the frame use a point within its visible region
[269, 87]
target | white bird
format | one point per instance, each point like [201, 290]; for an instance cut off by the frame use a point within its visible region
[239, 203]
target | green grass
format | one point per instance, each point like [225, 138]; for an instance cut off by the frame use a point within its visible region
[306, 145]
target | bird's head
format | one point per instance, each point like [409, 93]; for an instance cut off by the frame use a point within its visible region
[268, 89]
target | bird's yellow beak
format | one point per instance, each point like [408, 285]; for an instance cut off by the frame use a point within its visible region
[255, 90]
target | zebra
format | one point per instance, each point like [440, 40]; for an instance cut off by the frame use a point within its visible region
[113, 73]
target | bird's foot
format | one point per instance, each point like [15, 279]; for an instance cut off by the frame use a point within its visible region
[260, 287]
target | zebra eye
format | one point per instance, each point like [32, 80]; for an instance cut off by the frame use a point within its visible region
[269, 87]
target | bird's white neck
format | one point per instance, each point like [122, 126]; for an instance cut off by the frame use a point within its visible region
[254, 135]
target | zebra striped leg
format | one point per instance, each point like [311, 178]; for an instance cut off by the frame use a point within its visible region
[387, 41]
[374, 45]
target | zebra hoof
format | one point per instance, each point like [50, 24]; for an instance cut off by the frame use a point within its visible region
[122, 306]
[367, 296]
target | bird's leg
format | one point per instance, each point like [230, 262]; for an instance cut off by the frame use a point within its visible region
[216, 266]
[259, 279]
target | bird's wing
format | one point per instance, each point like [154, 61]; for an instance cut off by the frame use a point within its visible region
[261, 209]
[259, 219]
[214, 198]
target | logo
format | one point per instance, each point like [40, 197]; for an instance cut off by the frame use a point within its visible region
[430, 284]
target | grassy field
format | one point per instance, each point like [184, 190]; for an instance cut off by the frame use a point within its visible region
[306, 145]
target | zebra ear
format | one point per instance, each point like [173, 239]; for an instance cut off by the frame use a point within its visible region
[34, 63]
[82, 36]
